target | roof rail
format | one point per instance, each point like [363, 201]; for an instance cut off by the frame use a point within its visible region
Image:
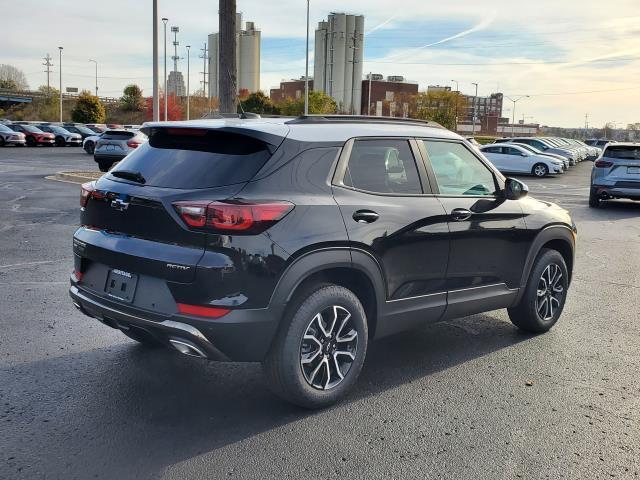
[311, 119]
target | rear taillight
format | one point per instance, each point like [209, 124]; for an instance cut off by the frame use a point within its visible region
[85, 193]
[200, 311]
[232, 217]
[133, 144]
[603, 164]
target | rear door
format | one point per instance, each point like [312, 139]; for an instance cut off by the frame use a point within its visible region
[386, 203]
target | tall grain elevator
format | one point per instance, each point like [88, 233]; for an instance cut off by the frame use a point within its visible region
[337, 66]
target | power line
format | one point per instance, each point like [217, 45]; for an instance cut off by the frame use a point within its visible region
[471, 64]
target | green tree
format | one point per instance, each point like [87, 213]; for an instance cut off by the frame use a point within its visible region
[319, 103]
[440, 107]
[258, 102]
[132, 100]
[88, 109]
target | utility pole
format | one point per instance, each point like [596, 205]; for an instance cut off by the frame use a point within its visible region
[205, 59]
[369, 99]
[353, 73]
[156, 96]
[175, 59]
[457, 101]
[47, 63]
[513, 113]
[188, 74]
[475, 102]
[96, 75]
[306, 69]
[60, 68]
[227, 63]
[165, 20]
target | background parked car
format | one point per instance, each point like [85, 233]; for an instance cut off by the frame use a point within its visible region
[96, 127]
[544, 146]
[80, 129]
[89, 143]
[616, 174]
[517, 159]
[114, 145]
[535, 151]
[33, 135]
[62, 136]
[11, 137]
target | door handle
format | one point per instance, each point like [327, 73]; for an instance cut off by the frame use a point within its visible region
[365, 216]
[460, 214]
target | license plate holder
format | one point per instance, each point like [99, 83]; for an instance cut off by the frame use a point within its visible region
[121, 285]
[633, 170]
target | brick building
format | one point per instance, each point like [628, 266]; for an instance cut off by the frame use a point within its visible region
[389, 97]
[293, 89]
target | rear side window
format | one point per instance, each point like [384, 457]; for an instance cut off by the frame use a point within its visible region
[626, 152]
[186, 159]
[382, 166]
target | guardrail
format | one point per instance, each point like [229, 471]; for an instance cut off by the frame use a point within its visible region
[29, 94]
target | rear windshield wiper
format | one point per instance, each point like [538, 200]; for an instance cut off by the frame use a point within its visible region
[129, 175]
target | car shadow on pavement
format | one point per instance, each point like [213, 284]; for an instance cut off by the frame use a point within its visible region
[128, 411]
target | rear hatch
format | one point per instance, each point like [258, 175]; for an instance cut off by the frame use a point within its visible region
[624, 165]
[129, 219]
[114, 142]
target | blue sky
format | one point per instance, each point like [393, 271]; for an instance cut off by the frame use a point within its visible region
[572, 57]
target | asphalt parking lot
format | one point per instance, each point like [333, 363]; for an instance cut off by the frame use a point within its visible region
[465, 399]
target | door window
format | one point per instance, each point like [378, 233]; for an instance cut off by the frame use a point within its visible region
[382, 166]
[458, 171]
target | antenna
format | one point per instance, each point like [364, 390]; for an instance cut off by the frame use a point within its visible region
[47, 63]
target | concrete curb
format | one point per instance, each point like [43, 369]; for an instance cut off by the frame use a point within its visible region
[76, 177]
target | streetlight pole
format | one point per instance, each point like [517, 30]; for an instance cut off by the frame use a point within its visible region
[457, 95]
[188, 73]
[165, 20]
[475, 102]
[60, 65]
[369, 100]
[94, 61]
[156, 97]
[513, 113]
[306, 69]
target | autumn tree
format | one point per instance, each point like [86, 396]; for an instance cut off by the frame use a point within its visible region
[319, 103]
[88, 109]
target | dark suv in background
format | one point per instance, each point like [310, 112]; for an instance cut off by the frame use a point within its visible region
[294, 242]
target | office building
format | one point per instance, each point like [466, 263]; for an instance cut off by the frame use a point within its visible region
[389, 97]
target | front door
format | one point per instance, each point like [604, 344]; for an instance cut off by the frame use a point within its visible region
[488, 232]
[386, 203]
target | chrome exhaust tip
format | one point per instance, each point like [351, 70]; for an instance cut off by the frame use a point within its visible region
[187, 348]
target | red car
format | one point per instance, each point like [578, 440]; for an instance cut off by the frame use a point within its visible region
[34, 135]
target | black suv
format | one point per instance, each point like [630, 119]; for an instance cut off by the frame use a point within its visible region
[294, 242]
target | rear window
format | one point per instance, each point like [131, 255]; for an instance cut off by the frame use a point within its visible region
[180, 158]
[117, 135]
[627, 152]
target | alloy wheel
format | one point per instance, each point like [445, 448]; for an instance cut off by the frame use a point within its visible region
[539, 170]
[550, 292]
[328, 349]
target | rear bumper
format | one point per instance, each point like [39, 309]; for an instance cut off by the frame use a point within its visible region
[241, 335]
[612, 191]
[98, 157]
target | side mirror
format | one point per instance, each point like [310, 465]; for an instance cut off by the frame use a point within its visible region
[515, 189]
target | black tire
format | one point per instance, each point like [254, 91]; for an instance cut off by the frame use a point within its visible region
[104, 166]
[2, 142]
[60, 142]
[142, 337]
[89, 147]
[31, 142]
[531, 314]
[594, 200]
[540, 170]
[283, 365]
